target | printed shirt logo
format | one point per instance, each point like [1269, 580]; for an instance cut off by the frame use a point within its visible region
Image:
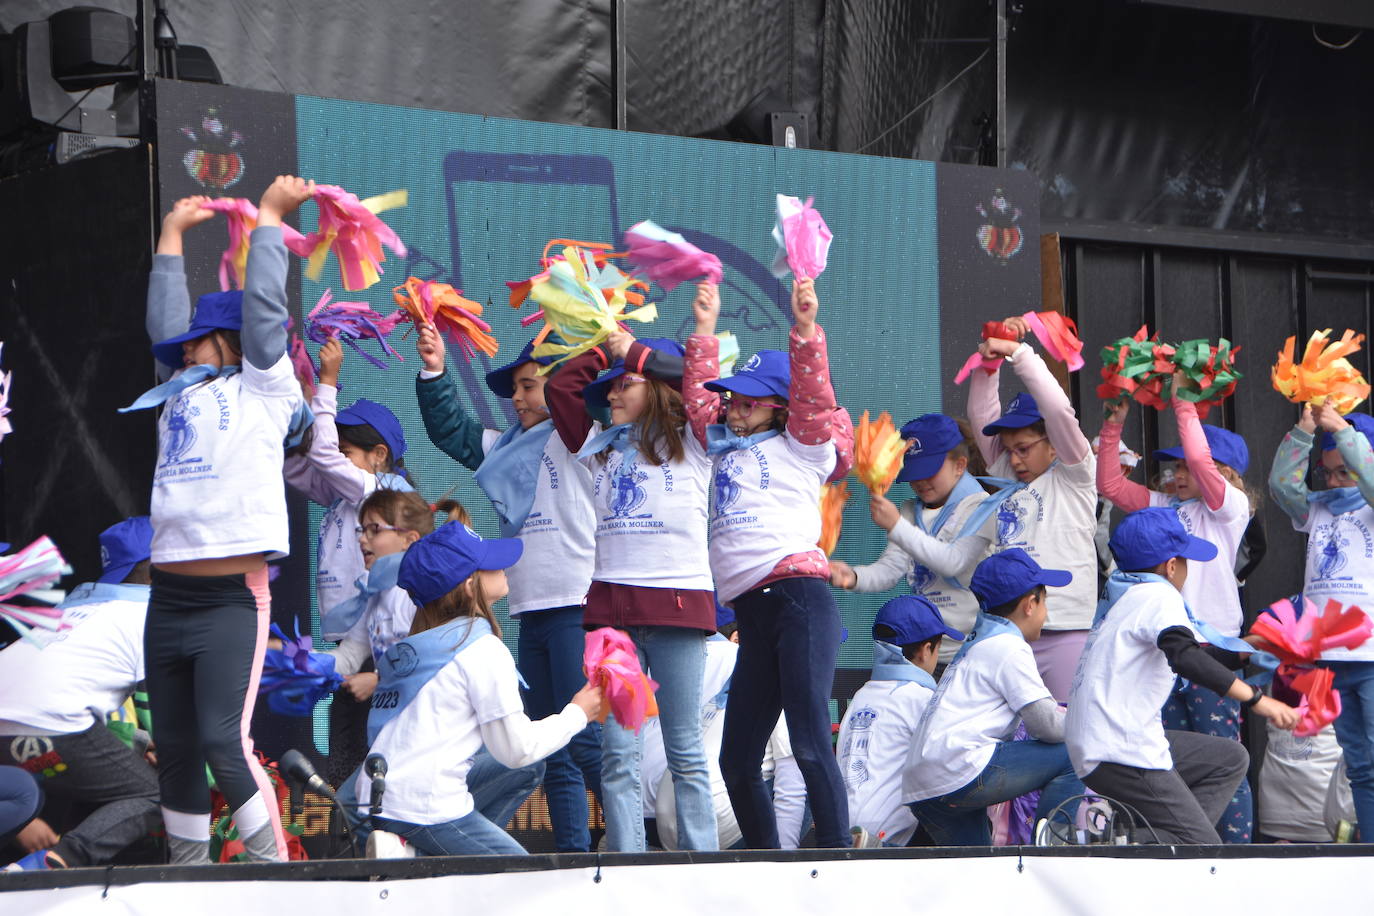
[728, 490]
[403, 658]
[1333, 558]
[181, 432]
[1011, 521]
[626, 495]
[920, 579]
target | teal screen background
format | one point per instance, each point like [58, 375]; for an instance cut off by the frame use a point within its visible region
[879, 294]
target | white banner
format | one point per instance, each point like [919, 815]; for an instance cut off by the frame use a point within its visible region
[1030, 885]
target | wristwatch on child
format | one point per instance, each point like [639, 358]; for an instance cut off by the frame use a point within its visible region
[1254, 698]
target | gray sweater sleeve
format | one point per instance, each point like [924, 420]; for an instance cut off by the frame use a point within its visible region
[169, 303]
[264, 299]
[1044, 720]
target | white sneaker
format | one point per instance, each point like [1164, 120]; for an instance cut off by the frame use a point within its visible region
[383, 845]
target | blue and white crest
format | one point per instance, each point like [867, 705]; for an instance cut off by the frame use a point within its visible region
[727, 489]
[1333, 557]
[862, 718]
[753, 363]
[920, 579]
[1011, 521]
[625, 494]
[181, 433]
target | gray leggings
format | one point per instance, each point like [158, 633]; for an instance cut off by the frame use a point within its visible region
[1182, 804]
[92, 768]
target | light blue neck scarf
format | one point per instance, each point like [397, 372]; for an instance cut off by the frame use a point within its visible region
[411, 663]
[509, 474]
[889, 664]
[719, 439]
[336, 623]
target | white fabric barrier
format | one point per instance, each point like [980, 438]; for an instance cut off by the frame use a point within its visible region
[1029, 885]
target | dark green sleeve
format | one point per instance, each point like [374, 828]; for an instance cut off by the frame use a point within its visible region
[452, 430]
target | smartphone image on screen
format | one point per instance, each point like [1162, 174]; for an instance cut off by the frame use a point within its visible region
[502, 209]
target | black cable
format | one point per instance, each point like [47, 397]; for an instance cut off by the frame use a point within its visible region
[1137, 819]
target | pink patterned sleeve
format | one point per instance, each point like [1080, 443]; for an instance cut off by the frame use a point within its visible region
[1198, 455]
[810, 397]
[701, 365]
[842, 437]
[1125, 494]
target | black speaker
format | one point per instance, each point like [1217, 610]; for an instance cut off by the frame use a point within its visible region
[92, 47]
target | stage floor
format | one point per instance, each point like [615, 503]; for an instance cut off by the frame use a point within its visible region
[1025, 880]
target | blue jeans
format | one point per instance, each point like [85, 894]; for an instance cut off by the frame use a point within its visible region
[1355, 732]
[1193, 708]
[550, 653]
[470, 835]
[676, 658]
[497, 793]
[789, 637]
[960, 818]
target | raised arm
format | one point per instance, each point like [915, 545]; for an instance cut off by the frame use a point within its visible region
[810, 396]
[169, 302]
[1288, 475]
[1353, 446]
[325, 474]
[451, 428]
[1124, 493]
[563, 395]
[702, 364]
[1061, 423]
[984, 406]
[264, 294]
[1197, 453]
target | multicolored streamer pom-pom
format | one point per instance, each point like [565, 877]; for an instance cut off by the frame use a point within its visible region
[425, 302]
[833, 498]
[1299, 639]
[352, 322]
[1057, 333]
[294, 677]
[583, 298]
[355, 233]
[306, 372]
[8, 377]
[878, 451]
[611, 662]
[668, 259]
[242, 217]
[803, 239]
[1141, 368]
[30, 573]
[1323, 373]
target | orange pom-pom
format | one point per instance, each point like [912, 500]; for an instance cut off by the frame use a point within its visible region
[878, 451]
[833, 498]
[1323, 373]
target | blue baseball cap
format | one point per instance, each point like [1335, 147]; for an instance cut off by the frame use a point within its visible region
[1021, 412]
[914, 618]
[1008, 575]
[214, 312]
[929, 439]
[1226, 447]
[766, 372]
[1148, 537]
[439, 562]
[595, 393]
[123, 546]
[363, 412]
[1361, 421]
[501, 380]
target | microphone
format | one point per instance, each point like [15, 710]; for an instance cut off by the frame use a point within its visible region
[375, 768]
[296, 767]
